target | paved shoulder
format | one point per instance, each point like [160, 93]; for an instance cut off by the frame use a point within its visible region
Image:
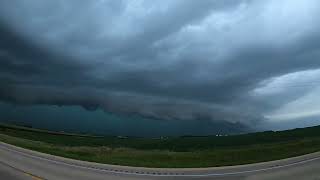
[53, 167]
[10, 173]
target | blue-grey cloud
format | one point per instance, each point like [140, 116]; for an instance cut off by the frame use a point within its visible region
[162, 59]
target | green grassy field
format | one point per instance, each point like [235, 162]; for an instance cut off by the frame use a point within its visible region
[181, 152]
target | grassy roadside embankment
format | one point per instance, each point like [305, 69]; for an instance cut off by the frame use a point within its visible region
[183, 152]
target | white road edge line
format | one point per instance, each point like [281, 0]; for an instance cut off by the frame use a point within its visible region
[156, 174]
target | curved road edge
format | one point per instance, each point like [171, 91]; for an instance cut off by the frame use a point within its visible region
[162, 172]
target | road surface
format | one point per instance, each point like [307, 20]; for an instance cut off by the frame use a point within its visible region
[19, 164]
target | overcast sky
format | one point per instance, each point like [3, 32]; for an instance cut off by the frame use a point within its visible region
[246, 61]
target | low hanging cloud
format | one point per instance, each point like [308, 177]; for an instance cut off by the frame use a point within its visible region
[162, 59]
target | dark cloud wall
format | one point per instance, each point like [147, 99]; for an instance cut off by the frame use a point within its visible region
[76, 119]
[171, 60]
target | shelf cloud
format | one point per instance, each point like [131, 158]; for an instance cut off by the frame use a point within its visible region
[234, 61]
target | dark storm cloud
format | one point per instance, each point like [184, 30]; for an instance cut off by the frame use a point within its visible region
[165, 59]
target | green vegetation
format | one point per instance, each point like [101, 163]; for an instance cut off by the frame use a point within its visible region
[168, 152]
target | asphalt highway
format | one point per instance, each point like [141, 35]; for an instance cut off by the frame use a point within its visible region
[19, 164]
